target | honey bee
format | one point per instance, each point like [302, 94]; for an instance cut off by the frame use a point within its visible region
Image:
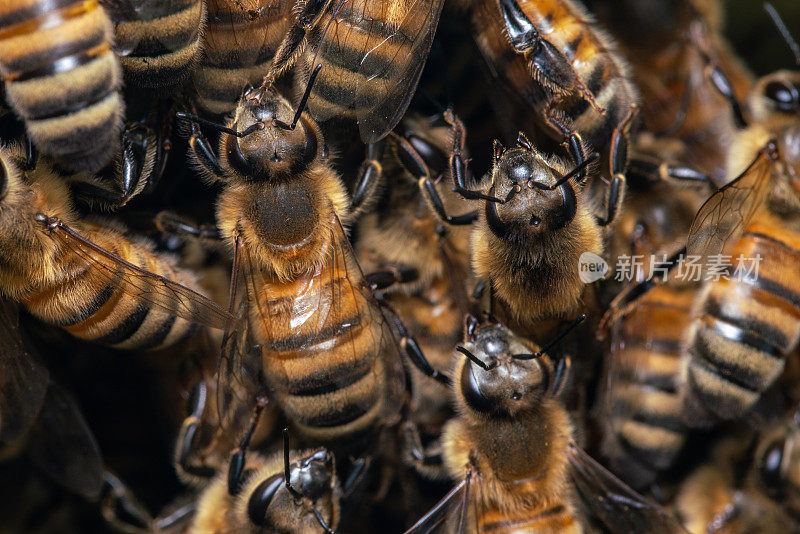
[63, 79]
[372, 53]
[528, 246]
[239, 41]
[292, 491]
[157, 44]
[677, 52]
[745, 325]
[326, 353]
[511, 447]
[564, 67]
[92, 281]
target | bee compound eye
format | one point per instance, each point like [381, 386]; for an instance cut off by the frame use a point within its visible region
[261, 498]
[784, 96]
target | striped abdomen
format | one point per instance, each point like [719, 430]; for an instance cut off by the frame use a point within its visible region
[323, 347]
[63, 78]
[556, 519]
[364, 43]
[94, 307]
[590, 54]
[159, 41]
[744, 328]
[646, 409]
[238, 46]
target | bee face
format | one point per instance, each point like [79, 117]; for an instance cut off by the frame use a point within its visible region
[533, 209]
[511, 384]
[272, 149]
[311, 477]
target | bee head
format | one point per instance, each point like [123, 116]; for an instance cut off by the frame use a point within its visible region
[501, 376]
[538, 199]
[272, 148]
[273, 502]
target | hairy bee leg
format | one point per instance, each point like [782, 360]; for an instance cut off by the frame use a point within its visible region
[308, 13]
[187, 436]
[170, 223]
[369, 177]
[411, 348]
[201, 149]
[653, 170]
[414, 164]
[238, 460]
[120, 508]
[618, 158]
[456, 162]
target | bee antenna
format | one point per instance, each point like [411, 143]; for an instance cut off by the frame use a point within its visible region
[286, 470]
[321, 521]
[303, 101]
[560, 336]
[474, 359]
[219, 127]
[567, 177]
[783, 30]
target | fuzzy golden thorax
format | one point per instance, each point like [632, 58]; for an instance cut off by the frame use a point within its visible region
[529, 247]
[30, 258]
[287, 228]
[510, 430]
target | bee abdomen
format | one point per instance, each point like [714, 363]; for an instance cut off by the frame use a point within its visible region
[159, 51]
[63, 78]
[237, 50]
[554, 519]
[99, 309]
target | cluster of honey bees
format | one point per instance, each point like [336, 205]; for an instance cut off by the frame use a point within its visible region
[369, 266]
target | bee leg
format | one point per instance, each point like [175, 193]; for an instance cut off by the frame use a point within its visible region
[379, 280]
[138, 157]
[456, 161]
[285, 55]
[410, 346]
[188, 434]
[420, 457]
[722, 84]
[120, 508]
[203, 154]
[369, 176]
[650, 169]
[169, 223]
[618, 159]
[355, 476]
[31, 155]
[238, 460]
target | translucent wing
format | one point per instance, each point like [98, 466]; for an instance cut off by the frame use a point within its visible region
[23, 381]
[158, 291]
[373, 53]
[615, 504]
[451, 510]
[321, 333]
[725, 214]
[61, 444]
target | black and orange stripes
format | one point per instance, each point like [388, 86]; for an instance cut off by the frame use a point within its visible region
[158, 42]
[746, 325]
[322, 345]
[63, 78]
[239, 42]
[646, 426]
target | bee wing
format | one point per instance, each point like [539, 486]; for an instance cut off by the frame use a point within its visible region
[23, 381]
[614, 503]
[451, 510]
[387, 51]
[158, 291]
[239, 364]
[723, 217]
[61, 444]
